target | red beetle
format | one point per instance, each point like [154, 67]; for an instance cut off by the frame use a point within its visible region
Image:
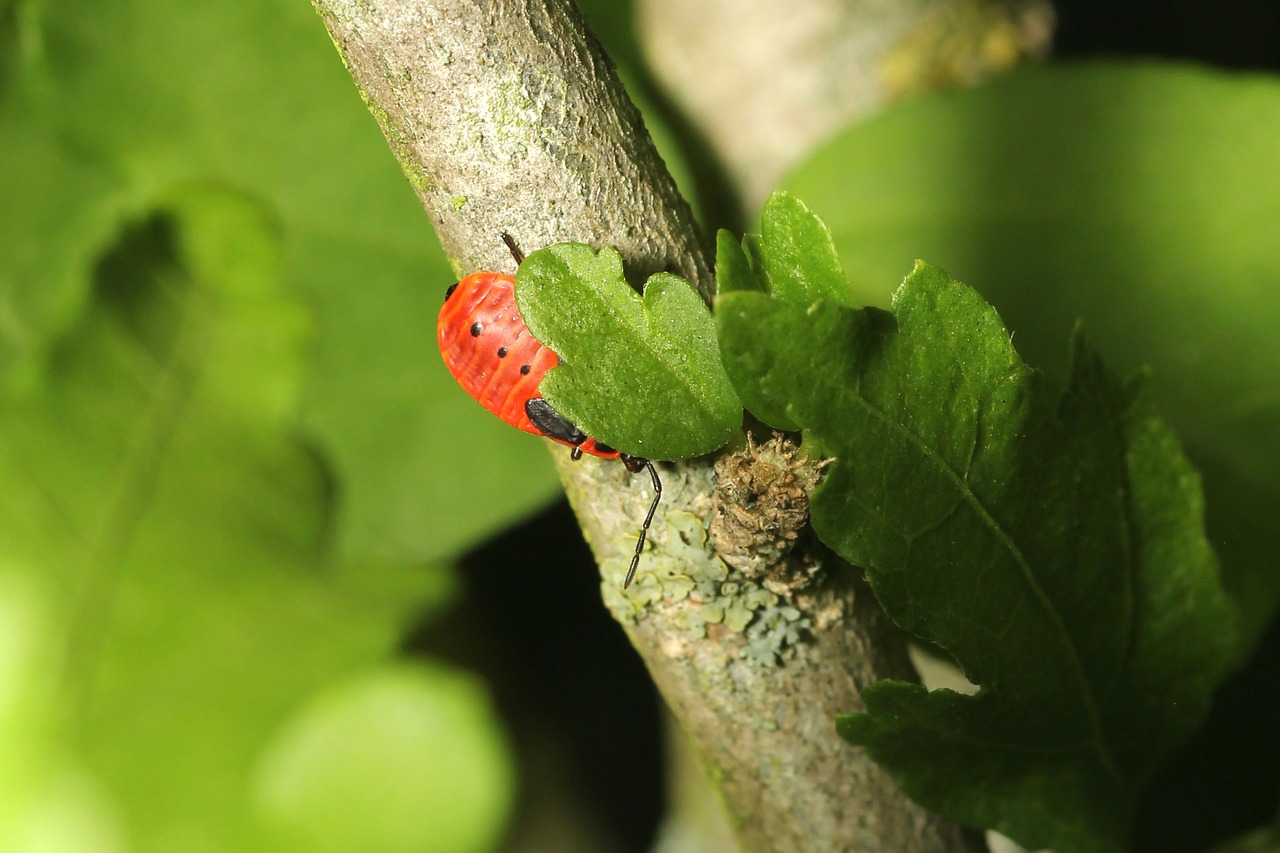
[496, 360]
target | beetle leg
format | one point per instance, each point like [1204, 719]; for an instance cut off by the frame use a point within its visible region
[648, 519]
[515, 250]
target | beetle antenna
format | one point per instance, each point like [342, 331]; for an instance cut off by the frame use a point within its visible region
[648, 519]
[515, 250]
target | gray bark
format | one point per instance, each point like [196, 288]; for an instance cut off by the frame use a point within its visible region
[505, 117]
[767, 81]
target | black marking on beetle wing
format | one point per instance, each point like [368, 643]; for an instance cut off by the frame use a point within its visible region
[475, 329]
[450, 291]
[525, 368]
[552, 423]
[502, 352]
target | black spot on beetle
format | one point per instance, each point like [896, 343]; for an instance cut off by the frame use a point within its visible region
[450, 291]
[502, 352]
[475, 329]
[524, 369]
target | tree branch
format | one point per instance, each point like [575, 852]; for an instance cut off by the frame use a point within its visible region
[506, 117]
[766, 87]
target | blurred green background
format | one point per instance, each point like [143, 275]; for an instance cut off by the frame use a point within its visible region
[251, 596]
[232, 466]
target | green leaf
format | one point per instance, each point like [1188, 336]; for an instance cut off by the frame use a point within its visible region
[322, 784]
[46, 802]
[642, 374]
[734, 269]
[96, 131]
[796, 256]
[736, 273]
[1265, 839]
[158, 505]
[1053, 545]
[1140, 197]
[794, 259]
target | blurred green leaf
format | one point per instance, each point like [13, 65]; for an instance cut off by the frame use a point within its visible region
[48, 802]
[123, 101]
[1053, 547]
[324, 783]
[642, 374]
[156, 483]
[1262, 840]
[1141, 197]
